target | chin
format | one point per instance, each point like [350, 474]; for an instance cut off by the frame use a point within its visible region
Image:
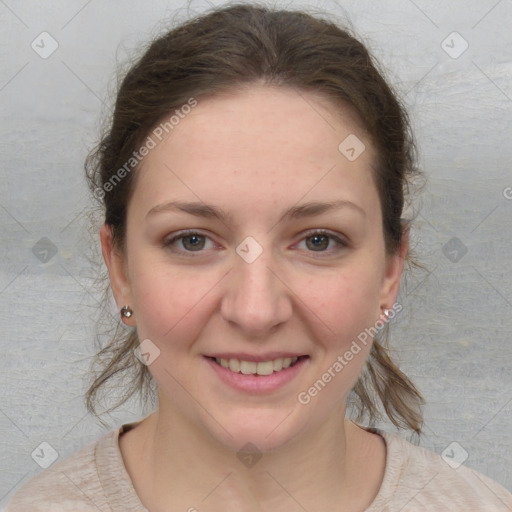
[266, 430]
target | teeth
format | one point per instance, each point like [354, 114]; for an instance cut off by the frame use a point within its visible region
[253, 368]
[234, 365]
[278, 364]
[265, 368]
[248, 367]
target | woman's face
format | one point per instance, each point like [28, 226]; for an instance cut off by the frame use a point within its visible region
[256, 285]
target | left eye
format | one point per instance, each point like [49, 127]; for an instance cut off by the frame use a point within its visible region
[320, 240]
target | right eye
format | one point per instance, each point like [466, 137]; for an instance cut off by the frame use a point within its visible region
[191, 241]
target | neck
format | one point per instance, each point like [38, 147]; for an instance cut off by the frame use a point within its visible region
[183, 467]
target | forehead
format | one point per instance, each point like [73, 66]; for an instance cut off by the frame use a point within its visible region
[258, 146]
[262, 114]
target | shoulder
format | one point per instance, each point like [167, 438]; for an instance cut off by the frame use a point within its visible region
[70, 484]
[417, 479]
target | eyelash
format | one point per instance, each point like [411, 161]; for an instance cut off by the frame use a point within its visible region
[318, 232]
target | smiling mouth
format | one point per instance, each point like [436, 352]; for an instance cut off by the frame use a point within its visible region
[261, 368]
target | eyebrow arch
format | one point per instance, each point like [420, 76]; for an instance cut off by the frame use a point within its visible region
[310, 209]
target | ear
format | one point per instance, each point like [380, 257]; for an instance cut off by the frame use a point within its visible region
[394, 268]
[116, 265]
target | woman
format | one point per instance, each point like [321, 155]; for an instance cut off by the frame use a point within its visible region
[253, 179]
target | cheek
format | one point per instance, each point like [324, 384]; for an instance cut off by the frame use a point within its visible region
[344, 302]
[170, 303]
[349, 305]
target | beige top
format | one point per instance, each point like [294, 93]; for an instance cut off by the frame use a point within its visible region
[415, 479]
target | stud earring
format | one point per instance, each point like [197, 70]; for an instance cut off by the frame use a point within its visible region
[126, 312]
[386, 313]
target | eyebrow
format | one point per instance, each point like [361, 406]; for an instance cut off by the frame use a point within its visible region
[310, 209]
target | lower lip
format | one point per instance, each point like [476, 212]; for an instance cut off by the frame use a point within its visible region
[257, 384]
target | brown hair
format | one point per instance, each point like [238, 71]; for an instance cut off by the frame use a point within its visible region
[232, 47]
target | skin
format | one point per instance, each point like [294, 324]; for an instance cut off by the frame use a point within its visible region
[254, 153]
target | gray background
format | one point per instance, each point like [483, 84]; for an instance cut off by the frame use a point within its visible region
[453, 337]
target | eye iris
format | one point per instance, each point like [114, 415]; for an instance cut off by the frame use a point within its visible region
[194, 245]
[317, 238]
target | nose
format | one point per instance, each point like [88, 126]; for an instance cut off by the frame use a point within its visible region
[256, 299]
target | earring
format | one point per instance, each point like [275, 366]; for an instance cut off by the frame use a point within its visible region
[126, 312]
[386, 313]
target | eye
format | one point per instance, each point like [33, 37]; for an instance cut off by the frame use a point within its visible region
[192, 241]
[320, 241]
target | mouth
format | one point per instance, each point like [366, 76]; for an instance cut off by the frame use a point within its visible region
[259, 368]
[267, 375]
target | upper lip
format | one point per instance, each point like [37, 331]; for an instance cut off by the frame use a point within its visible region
[257, 358]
